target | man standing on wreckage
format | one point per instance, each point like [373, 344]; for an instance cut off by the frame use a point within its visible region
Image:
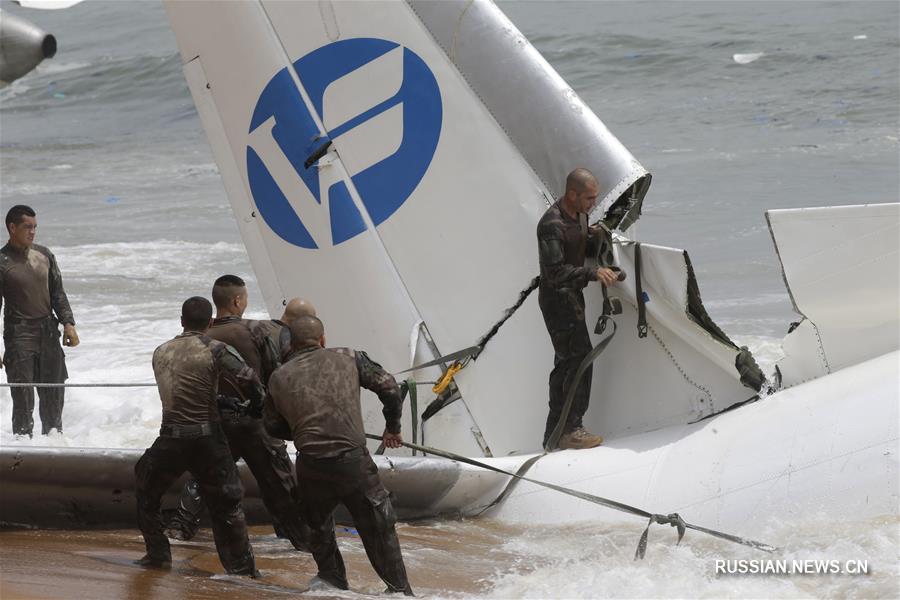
[564, 240]
[266, 457]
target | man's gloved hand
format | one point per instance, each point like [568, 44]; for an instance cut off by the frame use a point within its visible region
[232, 407]
[596, 228]
[245, 407]
[254, 410]
[70, 336]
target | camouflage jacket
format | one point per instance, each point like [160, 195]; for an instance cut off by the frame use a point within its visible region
[188, 369]
[280, 336]
[31, 285]
[251, 340]
[314, 400]
[563, 244]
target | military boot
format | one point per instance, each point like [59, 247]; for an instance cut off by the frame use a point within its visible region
[182, 528]
[328, 580]
[579, 439]
[186, 520]
[154, 562]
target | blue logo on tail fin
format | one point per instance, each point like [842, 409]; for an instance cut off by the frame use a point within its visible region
[390, 139]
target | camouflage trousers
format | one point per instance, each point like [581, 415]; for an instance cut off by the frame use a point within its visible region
[34, 354]
[268, 460]
[208, 459]
[352, 480]
[564, 318]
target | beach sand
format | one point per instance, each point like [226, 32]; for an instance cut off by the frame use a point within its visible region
[97, 565]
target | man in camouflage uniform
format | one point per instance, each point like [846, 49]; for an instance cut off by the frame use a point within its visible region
[265, 456]
[564, 240]
[187, 370]
[279, 330]
[31, 285]
[314, 400]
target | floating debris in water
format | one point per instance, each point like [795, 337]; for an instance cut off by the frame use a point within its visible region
[743, 59]
[51, 91]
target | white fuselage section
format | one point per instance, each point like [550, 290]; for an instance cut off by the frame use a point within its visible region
[830, 445]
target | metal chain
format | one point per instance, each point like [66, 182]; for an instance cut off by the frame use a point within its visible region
[821, 347]
[678, 366]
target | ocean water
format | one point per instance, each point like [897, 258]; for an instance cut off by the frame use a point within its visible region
[104, 142]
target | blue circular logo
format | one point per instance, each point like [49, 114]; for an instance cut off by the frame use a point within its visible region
[285, 142]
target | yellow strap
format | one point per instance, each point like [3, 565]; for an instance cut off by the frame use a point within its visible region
[441, 385]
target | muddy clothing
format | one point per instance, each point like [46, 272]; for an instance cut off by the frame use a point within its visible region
[314, 400]
[563, 245]
[31, 291]
[268, 461]
[352, 480]
[208, 459]
[266, 457]
[251, 341]
[188, 369]
[37, 356]
[280, 335]
[31, 285]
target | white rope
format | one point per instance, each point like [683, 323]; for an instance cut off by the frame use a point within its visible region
[113, 385]
[77, 385]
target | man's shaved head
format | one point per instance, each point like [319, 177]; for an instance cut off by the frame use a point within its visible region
[226, 289]
[296, 308]
[306, 331]
[579, 180]
[582, 192]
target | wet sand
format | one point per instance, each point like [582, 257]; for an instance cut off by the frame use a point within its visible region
[462, 560]
[97, 565]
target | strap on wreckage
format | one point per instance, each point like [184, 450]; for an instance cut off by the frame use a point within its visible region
[641, 298]
[461, 358]
[468, 354]
[672, 519]
[585, 364]
[408, 387]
